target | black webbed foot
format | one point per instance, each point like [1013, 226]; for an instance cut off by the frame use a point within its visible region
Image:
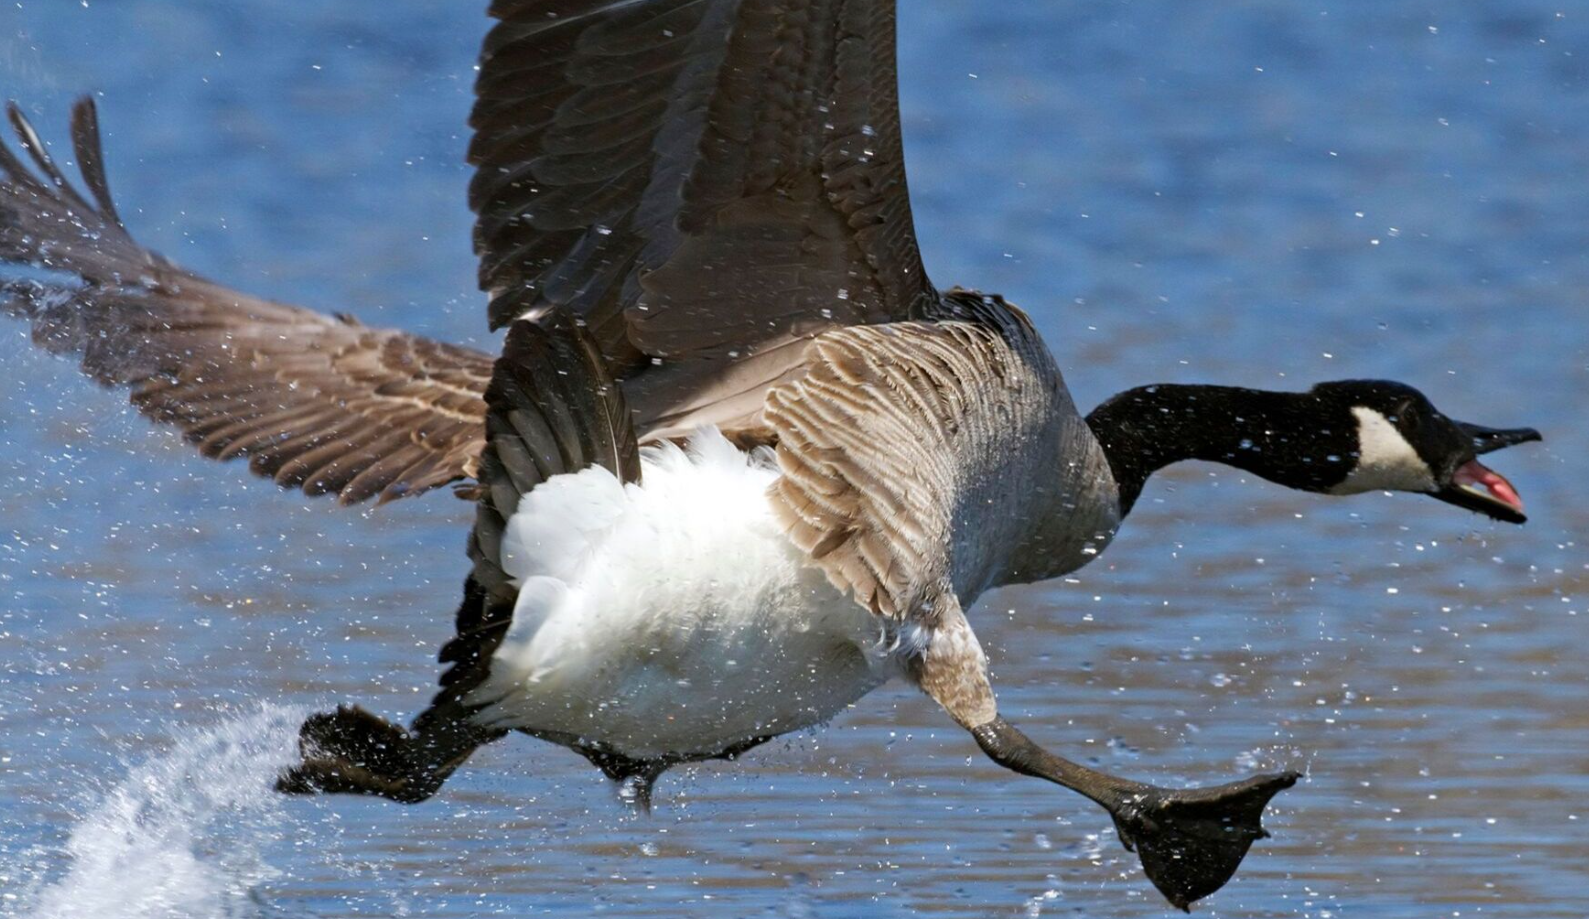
[353, 751]
[1192, 841]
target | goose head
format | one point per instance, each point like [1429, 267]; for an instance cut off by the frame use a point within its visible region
[1404, 443]
[1341, 438]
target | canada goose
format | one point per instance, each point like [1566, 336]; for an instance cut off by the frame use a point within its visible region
[706, 202]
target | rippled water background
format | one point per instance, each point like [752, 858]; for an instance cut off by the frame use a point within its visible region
[1262, 192]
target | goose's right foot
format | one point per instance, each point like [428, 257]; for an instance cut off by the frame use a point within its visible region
[1191, 841]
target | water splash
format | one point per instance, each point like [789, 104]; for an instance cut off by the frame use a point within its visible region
[182, 836]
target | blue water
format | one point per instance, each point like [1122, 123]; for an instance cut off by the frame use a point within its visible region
[1264, 193]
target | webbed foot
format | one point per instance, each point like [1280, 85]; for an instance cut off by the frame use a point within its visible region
[353, 751]
[1192, 841]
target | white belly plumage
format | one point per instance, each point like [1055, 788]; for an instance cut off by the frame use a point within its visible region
[672, 616]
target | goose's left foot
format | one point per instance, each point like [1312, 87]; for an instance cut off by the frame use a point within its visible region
[351, 751]
[1192, 841]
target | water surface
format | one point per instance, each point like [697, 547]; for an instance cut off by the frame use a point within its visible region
[1263, 193]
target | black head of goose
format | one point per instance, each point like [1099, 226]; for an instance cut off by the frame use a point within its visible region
[1340, 438]
[693, 216]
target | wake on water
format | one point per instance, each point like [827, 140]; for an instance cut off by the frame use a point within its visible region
[181, 836]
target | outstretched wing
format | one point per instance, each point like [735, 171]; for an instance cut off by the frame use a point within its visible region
[315, 401]
[708, 184]
[901, 437]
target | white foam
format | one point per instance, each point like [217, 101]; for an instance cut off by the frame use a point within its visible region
[178, 838]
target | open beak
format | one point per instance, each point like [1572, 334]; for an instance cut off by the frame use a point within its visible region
[1487, 440]
[1479, 488]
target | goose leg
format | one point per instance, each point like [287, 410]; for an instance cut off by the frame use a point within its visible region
[1190, 841]
[353, 751]
[637, 778]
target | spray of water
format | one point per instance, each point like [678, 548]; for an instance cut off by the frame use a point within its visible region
[183, 835]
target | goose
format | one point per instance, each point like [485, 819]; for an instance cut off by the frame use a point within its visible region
[739, 462]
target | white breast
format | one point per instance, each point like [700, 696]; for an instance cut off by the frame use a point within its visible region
[672, 616]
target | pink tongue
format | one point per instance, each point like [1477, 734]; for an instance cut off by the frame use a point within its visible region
[1474, 472]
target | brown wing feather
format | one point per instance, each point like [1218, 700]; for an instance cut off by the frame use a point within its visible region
[902, 446]
[316, 401]
[704, 182]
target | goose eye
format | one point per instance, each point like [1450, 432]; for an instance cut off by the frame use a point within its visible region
[1403, 409]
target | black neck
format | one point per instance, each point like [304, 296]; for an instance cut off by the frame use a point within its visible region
[1296, 439]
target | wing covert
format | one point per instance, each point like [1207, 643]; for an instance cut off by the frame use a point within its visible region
[898, 439]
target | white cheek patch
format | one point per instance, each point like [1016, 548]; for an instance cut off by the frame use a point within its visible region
[1386, 461]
